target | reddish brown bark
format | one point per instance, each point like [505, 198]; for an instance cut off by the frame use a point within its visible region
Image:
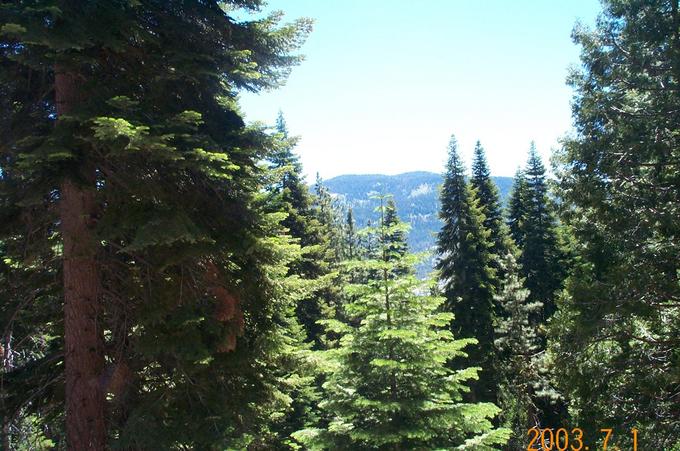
[84, 354]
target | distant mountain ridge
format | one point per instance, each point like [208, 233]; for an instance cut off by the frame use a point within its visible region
[415, 193]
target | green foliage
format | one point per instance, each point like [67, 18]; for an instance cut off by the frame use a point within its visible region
[30, 344]
[516, 208]
[416, 195]
[239, 310]
[489, 202]
[310, 222]
[192, 262]
[330, 216]
[465, 270]
[350, 239]
[393, 236]
[616, 334]
[543, 265]
[313, 221]
[524, 383]
[388, 384]
[541, 255]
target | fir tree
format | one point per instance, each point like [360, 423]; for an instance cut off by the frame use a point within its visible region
[329, 215]
[465, 269]
[393, 240]
[332, 248]
[489, 202]
[517, 208]
[487, 195]
[302, 223]
[541, 257]
[389, 386]
[351, 241]
[369, 242]
[125, 126]
[519, 350]
[617, 332]
[542, 266]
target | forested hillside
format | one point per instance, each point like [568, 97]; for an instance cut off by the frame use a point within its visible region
[416, 195]
[170, 281]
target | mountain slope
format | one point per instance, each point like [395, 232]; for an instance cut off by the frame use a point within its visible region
[415, 193]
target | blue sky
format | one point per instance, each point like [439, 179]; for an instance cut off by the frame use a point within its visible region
[386, 82]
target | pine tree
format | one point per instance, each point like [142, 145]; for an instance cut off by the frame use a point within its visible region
[294, 194]
[312, 221]
[465, 270]
[125, 128]
[541, 257]
[393, 241]
[489, 202]
[517, 208]
[542, 261]
[487, 195]
[519, 350]
[388, 385]
[617, 333]
[351, 240]
[369, 242]
[303, 225]
[330, 218]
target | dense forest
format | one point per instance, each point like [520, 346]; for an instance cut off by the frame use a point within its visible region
[415, 193]
[170, 280]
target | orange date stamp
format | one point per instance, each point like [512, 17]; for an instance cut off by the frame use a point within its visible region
[562, 439]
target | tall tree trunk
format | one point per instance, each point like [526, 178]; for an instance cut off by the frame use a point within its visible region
[83, 338]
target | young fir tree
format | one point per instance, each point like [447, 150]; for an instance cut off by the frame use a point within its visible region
[487, 195]
[519, 353]
[126, 131]
[465, 270]
[617, 333]
[534, 229]
[388, 386]
[489, 202]
[541, 255]
[330, 217]
[351, 240]
[304, 226]
[369, 248]
[312, 221]
[516, 209]
[394, 240]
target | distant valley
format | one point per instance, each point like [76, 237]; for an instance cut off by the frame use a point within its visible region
[415, 193]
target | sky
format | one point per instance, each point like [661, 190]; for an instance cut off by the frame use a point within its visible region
[385, 83]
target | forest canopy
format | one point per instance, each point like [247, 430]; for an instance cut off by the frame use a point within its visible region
[169, 279]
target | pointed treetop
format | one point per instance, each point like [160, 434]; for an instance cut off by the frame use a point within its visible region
[281, 126]
[519, 174]
[480, 167]
[455, 166]
[454, 157]
[390, 212]
[535, 166]
[319, 188]
[486, 192]
[453, 142]
[517, 207]
[465, 270]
